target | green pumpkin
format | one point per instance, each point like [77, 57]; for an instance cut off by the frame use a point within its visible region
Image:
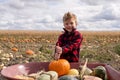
[43, 77]
[53, 74]
[100, 72]
[50, 75]
[67, 77]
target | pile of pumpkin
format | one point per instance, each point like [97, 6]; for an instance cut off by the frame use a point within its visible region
[60, 70]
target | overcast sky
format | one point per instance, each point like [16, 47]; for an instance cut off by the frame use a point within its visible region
[47, 14]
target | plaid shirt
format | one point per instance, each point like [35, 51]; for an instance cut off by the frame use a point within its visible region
[70, 43]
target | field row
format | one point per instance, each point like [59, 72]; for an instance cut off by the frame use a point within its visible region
[97, 46]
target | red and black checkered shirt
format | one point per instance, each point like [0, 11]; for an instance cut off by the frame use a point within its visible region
[70, 43]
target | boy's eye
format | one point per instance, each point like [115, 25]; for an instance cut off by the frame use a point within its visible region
[71, 23]
[66, 23]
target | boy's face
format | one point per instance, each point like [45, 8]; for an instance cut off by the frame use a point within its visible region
[70, 24]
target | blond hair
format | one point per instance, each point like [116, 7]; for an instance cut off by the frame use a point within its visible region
[68, 16]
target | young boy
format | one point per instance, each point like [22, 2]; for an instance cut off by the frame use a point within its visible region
[68, 44]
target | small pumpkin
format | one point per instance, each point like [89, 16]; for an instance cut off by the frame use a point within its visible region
[73, 72]
[53, 74]
[29, 52]
[15, 49]
[50, 75]
[44, 77]
[67, 77]
[100, 72]
[87, 77]
[61, 66]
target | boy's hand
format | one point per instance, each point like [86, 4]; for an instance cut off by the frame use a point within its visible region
[58, 52]
[58, 49]
[57, 56]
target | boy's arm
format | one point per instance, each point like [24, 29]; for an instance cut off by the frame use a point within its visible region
[59, 42]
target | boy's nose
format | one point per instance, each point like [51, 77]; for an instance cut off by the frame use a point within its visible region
[69, 24]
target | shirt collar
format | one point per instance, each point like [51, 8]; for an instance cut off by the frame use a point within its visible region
[73, 30]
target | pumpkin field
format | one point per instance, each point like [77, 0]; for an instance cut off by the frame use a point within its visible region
[24, 46]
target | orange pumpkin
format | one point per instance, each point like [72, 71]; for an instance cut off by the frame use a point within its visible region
[61, 66]
[29, 52]
[14, 49]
